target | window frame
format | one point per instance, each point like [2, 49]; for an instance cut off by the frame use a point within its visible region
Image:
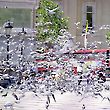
[84, 14]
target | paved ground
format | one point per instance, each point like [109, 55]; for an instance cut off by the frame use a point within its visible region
[66, 101]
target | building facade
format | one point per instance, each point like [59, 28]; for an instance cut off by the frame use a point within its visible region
[17, 7]
[97, 12]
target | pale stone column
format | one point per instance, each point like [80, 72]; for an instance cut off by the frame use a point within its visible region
[70, 10]
[33, 18]
[73, 16]
[33, 14]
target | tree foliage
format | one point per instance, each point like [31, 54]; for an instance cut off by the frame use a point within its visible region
[108, 37]
[49, 21]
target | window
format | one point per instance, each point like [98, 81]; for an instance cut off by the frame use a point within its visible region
[89, 16]
[20, 17]
[88, 13]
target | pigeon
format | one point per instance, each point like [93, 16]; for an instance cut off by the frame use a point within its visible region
[15, 96]
[77, 23]
[52, 11]
[48, 99]
[4, 95]
[53, 96]
[83, 107]
[106, 98]
[98, 94]
[37, 96]
[1, 91]
[8, 105]
[47, 105]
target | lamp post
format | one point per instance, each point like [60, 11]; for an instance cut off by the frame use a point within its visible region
[22, 34]
[85, 36]
[8, 27]
[107, 58]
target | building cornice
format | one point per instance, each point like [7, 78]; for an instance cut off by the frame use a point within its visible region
[29, 4]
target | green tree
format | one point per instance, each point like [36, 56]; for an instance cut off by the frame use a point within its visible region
[49, 21]
[108, 37]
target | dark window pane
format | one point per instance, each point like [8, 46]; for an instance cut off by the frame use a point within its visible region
[20, 17]
[89, 8]
[89, 18]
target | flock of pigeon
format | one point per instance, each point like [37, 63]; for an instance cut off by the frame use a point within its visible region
[46, 84]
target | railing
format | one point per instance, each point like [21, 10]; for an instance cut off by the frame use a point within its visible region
[15, 31]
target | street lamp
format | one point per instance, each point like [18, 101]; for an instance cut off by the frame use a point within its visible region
[8, 27]
[22, 34]
[107, 58]
[85, 37]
